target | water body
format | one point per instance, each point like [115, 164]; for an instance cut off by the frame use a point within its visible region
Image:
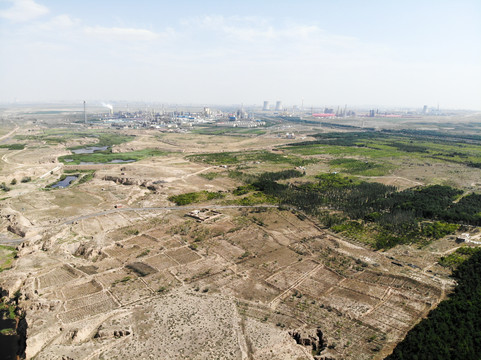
[116, 161]
[65, 182]
[9, 344]
[89, 149]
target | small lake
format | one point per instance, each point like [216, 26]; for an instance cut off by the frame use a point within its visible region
[65, 182]
[89, 149]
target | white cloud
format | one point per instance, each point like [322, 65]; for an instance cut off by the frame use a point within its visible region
[59, 22]
[23, 10]
[132, 34]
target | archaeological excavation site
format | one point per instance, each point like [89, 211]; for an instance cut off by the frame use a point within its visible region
[246, 244]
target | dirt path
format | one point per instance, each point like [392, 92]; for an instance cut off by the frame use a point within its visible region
[5, 137]
[273, 304]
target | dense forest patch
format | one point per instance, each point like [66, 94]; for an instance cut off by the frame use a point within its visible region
[453, 329]
[375, 213]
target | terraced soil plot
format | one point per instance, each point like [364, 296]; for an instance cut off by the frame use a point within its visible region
[250, 287]
[276, 259]
[183, 255]
[227, 250]
[161, 261]
[161, 281]
[111, 278]
[372, 290]
[141, 269]
[91, 306]
[123, 253]
[292, 274]
[347, 301]
[130, 290]
[87, 288]
[202, 268]
[142, 241]
[59, 275]
[319, 283]
[83, 301]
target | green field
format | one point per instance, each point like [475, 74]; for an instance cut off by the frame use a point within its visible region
[385, 146]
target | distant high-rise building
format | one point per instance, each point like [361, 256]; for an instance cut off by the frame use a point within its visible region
[85, 113]
[278, 105]
[425, 109]
[266, 106]
[372, 113]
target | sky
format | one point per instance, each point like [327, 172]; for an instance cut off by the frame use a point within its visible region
[314, 52]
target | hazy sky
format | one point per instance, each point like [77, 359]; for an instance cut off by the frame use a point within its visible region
[386, 52]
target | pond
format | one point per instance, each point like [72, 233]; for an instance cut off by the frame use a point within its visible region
[116, 161]
[89, 149]
[65, 182]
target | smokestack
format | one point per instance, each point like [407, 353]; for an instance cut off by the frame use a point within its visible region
[85, 114]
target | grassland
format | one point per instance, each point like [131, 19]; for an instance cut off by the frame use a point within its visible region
[358, 167]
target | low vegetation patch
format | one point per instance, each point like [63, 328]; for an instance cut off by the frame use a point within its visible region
[13, 146]
[210, 175]
[458, 257]
[7, 254]
[359, 167]
[195, 197]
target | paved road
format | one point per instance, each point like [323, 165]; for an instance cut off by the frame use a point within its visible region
[189, 207]
[10, 242]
